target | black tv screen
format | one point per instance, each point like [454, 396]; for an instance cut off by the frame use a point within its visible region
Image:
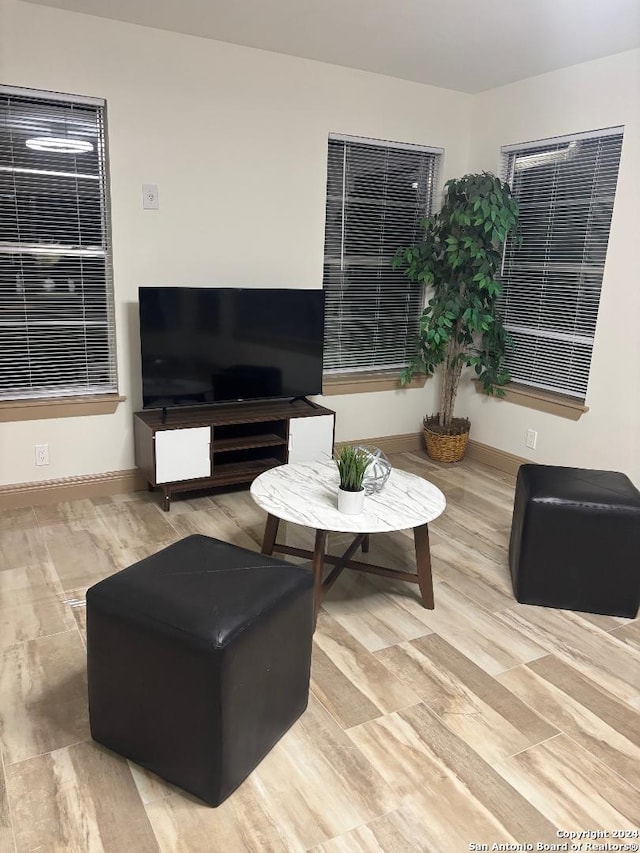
[213, 345]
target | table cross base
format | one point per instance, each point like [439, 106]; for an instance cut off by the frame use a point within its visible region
[423, 576]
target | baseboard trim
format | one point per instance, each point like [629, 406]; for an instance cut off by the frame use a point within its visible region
[120, 482]
[414, 442]
[407, 443]
[71, 489]
[500, 459]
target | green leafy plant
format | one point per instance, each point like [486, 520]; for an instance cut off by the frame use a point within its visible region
[459, 258]
[352, 463]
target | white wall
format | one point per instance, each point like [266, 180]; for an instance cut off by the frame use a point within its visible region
[236, 140]
[598, 94]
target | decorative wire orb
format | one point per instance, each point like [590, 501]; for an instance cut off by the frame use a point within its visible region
[378, 470]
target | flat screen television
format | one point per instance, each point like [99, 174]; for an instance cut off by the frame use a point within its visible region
[214, 345]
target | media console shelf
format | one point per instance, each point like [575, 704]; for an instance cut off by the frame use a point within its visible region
[208, 446]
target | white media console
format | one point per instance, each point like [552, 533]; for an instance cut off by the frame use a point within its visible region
[203, 447]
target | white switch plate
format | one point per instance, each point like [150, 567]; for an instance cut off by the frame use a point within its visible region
[150, 197]
[532, 439]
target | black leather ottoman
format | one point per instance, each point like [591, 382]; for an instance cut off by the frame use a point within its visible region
[575, 540]
[198, 661]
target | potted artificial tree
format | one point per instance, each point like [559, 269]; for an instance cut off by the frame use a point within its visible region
[459, 258]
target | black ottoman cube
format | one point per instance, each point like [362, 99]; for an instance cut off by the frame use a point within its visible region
[198, 661]
[575, 540]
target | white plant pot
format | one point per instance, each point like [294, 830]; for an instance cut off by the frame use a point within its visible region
[350, 503]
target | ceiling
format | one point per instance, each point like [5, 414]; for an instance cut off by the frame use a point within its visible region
[467, 45]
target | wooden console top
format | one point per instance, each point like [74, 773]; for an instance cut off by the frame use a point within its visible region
[229, 413]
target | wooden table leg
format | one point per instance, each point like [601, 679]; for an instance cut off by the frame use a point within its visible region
[423, 564]
[318, 569]
[341, 563]
[270, 533]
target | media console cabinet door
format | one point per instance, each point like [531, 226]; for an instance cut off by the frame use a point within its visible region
[183, 454]
[311, 439]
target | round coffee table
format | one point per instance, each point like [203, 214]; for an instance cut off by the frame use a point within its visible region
[307, 493]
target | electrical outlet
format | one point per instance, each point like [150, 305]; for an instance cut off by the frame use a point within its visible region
[42, 454]
[532, 439]
[150, 199]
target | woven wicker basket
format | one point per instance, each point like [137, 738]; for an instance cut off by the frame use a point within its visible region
[442, 447]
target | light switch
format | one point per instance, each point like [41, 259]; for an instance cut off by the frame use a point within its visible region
[150, 197]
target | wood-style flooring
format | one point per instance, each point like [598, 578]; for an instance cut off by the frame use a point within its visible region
[482, 722]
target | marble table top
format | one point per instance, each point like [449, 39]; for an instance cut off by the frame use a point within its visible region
[307, 493]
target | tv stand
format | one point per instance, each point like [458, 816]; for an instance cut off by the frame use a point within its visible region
[209, 446]
[305, 400]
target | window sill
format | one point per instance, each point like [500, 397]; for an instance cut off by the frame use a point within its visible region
[542, 401]
[58, 407]
[361, 383]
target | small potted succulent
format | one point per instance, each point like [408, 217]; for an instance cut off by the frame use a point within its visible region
[352, 463]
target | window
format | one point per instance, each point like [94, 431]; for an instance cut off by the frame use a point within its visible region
[56, 297]
[377, 193]
[552, 279]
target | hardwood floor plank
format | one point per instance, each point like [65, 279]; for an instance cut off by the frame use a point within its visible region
[134, 523]
[241, 824]
[461, 528]
[212, 523]
[143, 496]
[589, 694]
[349, 681]
[598, 654]
[151, 787]
[491, 510]
[375, 614]
[7, 840]
[317, 784]
[65, 511]
[18, 517]
[75, 603]
[81, 555]
[472, 484]
[22, 545]
[182, 503]
[44, 696]
[342, 699]
[602, 621]
[495, 533]
[426, 762]
[466, 571]
[481, 636]
[606, 727]
[629, 633]
[29, 604]
[401, 831]
[574, 790]
[488, 717]
[78, 799]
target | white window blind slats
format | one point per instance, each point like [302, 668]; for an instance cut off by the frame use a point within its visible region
[44, 208]
[561, 141]
[552, 278]
[376, 196]
[57, 324]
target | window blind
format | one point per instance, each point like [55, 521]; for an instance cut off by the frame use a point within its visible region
[377, 193]
[56, 298]
[552, 279]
